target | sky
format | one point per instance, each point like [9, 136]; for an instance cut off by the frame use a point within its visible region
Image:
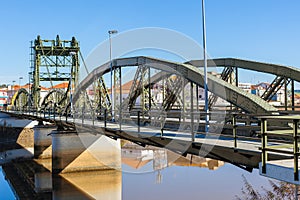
[266, 31]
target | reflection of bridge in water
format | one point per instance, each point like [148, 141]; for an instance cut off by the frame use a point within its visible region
[34, 180]
[162, 108]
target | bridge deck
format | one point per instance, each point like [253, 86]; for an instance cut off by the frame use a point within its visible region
[247, 151]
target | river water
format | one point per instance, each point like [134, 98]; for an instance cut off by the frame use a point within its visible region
[147, 173]
[5, 190]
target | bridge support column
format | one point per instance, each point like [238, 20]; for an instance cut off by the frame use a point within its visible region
[42, 182]
[43, 141]
[74, 152]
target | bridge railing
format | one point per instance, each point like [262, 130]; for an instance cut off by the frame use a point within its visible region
[233, 125]
[290, 139]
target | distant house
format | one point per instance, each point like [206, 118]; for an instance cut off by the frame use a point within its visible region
[3, 97]
[245, 86]
[63, 85]
[297, 96]
[260, 89]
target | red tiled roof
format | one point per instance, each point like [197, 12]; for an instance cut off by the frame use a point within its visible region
[63, 85]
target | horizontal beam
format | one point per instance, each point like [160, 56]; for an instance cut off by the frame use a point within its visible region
[279, 70]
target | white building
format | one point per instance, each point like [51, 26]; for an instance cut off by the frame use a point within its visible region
[245, 86]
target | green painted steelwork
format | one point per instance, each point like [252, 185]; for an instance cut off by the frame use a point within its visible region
[54, 61]
[246, 101]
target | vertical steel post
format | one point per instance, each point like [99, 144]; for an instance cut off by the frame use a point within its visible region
[71, 100]
[59, 116]
[197, 103]
[234, 130]
[111, 78]
[264, 144]
[54, 111]
[93, 113]
[192, 111]
[110, 32]
[293, 94]
[139, 121]
[115, 70]
[285, 94]
[149, 89]
[120, 109]
[163, 92]
[295, 149]
[105, 115]
[183, 102]
[205, 69]
[82, 115]
[236, 77]
[100, 99]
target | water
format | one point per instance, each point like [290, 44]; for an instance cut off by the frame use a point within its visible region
[190, 183]
[144, 177]
[5, 190]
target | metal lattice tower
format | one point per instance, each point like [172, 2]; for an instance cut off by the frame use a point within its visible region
[53, 61]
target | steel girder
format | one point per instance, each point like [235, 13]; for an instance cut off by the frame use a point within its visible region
[53, 61]
[247, 102]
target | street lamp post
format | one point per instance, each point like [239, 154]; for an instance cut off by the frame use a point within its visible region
[111, 32]
[20, 78]
[13, 86]
[205, 70]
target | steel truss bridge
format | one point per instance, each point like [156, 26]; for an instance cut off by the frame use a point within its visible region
[159, 98]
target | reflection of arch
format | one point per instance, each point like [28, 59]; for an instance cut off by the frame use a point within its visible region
[20, 98]
[248, 102]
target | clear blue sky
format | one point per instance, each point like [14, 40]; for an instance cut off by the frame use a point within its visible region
[262, 30]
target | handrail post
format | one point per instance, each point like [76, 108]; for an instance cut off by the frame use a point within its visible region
[60, 113]
[234, 131]
[295, 149]
[82, 115]
[67, 116]
[93, 113]
[264, 144]
[139, 121]
[161, 129]
[192, 113]
[54, 111]
[105, 115]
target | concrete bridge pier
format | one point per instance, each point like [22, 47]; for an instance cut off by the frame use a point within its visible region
[75, 152]
[43, 141]
[43, 182]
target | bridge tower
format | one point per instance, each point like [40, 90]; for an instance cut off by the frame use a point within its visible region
[53, 61]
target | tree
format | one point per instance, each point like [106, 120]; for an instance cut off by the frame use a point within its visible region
[3, 86]
[280, 190]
